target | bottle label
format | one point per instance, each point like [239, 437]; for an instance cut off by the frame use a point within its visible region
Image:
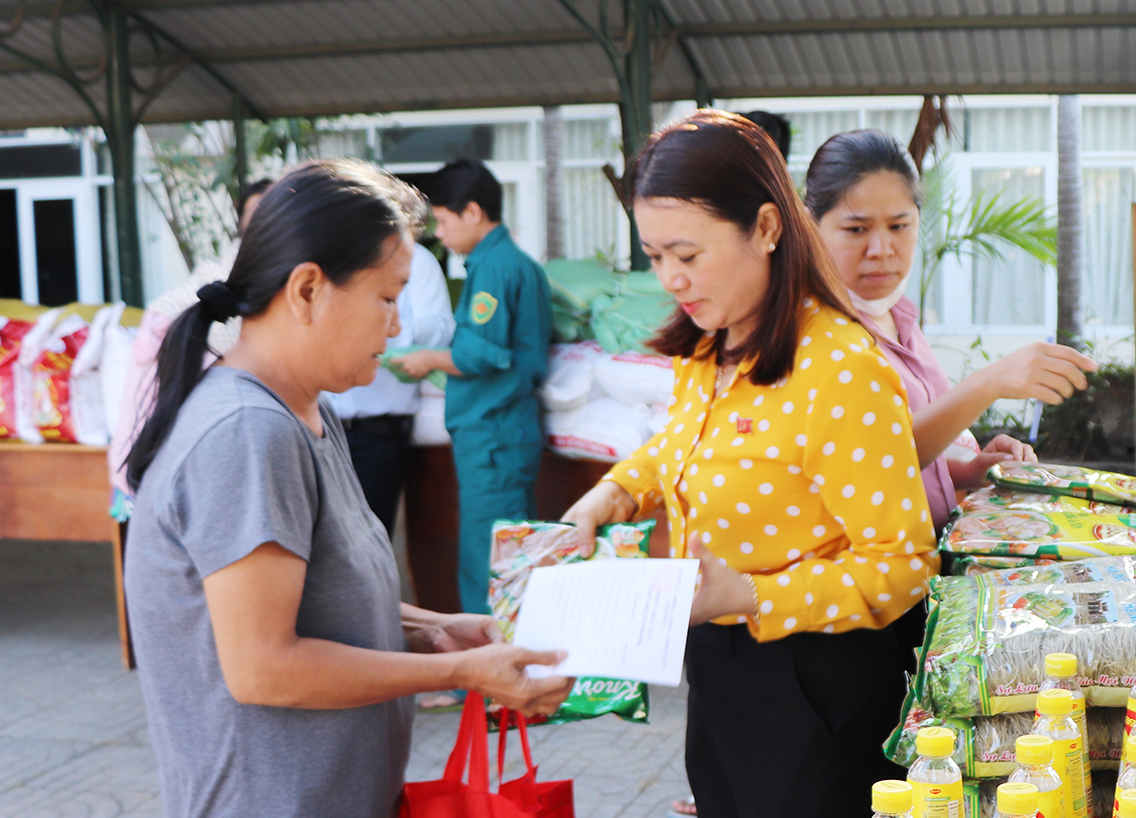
[1129, 717]
[1068, 763]
[1050, 804]
[937, 800]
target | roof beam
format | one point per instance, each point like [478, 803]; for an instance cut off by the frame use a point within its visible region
[881, 24]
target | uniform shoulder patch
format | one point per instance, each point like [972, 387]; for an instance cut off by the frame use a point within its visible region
[482, 307]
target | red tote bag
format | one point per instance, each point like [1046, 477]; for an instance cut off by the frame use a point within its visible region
[450, 797]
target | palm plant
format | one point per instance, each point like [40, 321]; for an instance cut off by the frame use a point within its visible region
[981, 229]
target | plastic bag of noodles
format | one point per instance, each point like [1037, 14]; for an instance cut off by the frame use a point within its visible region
[986, 640]
[521, 545]
[1066, 481]
[985, 745]
[1056, 535]
[978, 796]
[971, 565]
[993, 498]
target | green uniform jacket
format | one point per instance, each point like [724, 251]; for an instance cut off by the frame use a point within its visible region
[504, 326]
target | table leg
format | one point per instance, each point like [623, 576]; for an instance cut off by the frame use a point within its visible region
[119, 546]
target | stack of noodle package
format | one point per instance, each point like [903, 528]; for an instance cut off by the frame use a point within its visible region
[1041, 513]
[1026, 592]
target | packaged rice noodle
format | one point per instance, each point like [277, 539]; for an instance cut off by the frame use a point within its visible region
[985, 744]
[520, 546]
[1100, 569]
[993, 498]
[1057, 535]
[971, 565]
[11, 334]
[1066, 481]
[986, 641]
[30, 347]
[978, 796]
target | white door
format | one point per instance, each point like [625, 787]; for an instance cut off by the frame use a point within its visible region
[60, 258]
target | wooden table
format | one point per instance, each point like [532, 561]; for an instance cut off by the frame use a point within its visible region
[61, 491]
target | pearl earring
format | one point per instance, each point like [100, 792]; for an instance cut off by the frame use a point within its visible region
[772, 247]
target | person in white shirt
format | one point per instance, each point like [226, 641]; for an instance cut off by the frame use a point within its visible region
[378, 417]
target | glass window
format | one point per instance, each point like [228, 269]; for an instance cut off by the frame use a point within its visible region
[1106, 286]
[40, 161]
[511, 142]
[1108, 128]
[1011, 130]
[1011, 289]
[56, 268]
[588, 139]
[344, 143]
[900, 124]
[812, 129]
[441, 143]
[10, 286]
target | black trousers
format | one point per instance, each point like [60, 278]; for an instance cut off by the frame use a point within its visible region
[379, 453]
[791, 728]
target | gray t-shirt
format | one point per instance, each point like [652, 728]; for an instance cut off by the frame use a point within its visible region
[239, 469]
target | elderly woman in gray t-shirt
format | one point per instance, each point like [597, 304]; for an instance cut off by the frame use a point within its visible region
[276, 660]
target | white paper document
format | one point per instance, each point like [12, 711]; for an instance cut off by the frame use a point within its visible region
[616, 618]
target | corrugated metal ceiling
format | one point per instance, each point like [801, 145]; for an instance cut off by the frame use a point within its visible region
[343, 56]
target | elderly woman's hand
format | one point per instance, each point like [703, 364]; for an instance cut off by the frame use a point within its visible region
[606, 502]
[498, 672]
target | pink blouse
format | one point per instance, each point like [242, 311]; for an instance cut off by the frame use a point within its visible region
[925, 382]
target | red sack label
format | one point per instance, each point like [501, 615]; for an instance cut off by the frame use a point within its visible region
[11, 334]
[51, 384]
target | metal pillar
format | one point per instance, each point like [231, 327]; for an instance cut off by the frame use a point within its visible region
[240, 145]
[635, 109]
[120, 138]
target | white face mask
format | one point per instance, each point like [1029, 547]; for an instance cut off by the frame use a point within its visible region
[879, 306]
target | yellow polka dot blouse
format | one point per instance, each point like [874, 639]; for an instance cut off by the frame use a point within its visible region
[811, 484]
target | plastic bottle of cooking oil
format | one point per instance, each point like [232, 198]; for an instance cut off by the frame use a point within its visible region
[1127, 778]
[1035, 766]
[1129, 717]
[1061, 674]
[891, 799]
[1016, 801]
[1126, 804]
[1056, 722]
[935, 777]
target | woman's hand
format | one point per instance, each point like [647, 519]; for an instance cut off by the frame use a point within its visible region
[606, 502]
[417, 364]
[721, 589]
[971, 474]
[1048, 372]
[429, 632]
[498, 671]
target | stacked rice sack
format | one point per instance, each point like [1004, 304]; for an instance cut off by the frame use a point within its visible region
[62, 375]
[601, 405]
[1025, 593]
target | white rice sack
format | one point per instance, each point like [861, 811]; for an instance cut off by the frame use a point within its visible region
[430, 419]
[32, 345]
[965, 447]
[118, 343]
[571, 376]
[636, 377]
[604, 429]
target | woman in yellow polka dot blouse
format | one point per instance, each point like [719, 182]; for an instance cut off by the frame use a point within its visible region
[788, 467]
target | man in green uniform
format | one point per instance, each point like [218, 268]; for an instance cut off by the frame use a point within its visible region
[499, 358]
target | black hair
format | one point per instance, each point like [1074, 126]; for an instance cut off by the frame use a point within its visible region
[464, 181]
[247, 192]
[845, 159]
[776, 126]
[336, 213]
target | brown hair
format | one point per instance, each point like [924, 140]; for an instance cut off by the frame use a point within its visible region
[729, 166]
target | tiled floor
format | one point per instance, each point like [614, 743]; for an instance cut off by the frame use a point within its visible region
[73, 740]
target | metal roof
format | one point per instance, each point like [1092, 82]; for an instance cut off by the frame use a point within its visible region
[313, 57]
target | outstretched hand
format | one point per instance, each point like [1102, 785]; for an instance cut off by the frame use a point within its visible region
[1048, 372]
[498, 672]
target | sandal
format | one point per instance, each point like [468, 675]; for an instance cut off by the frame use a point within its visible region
[445, 701]
[683, 807]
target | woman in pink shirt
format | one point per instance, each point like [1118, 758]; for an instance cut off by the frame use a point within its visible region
[863, 191]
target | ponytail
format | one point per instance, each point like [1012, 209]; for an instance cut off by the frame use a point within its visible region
[335, 213]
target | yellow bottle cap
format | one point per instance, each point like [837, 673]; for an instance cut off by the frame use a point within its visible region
[1061, 665]
[1055, 702]
[1017, 799]
[1034, 749]
[892, 797]
[936, 742]
[1126, 802]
